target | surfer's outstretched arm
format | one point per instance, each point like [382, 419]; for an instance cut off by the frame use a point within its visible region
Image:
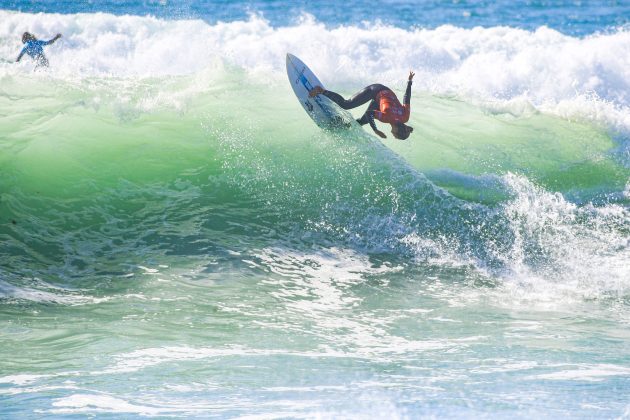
[51, 41]
[407, 97]
[368, 118]
[378, 132]
[21, 54]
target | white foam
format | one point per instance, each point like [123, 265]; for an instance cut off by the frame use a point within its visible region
[505, 68]
[583, 251]
[20, 380]
[590, 373]
[48, 293]
[100, 403]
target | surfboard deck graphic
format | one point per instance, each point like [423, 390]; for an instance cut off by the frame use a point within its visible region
[322, 110]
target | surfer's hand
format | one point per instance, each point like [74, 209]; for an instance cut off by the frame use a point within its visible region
[381, 134]
[411, 74]
[316, 91]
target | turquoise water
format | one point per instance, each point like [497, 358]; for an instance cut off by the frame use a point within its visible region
[178, 239]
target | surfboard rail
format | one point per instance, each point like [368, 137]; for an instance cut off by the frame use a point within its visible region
[322, 110]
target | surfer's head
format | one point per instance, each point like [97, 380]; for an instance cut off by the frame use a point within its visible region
[401, 131]
[27, 36]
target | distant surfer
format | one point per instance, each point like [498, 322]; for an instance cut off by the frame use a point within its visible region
[384, 106]
[35, 48]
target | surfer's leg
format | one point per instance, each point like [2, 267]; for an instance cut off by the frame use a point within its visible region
[362, 97]
[41, 61]
[336, 98]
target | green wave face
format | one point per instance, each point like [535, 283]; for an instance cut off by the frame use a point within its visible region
[567, 156]
[99, 175]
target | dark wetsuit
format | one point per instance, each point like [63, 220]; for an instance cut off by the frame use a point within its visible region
[369, 93]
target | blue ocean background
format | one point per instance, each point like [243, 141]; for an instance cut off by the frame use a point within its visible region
[570, 17]
[178, 239]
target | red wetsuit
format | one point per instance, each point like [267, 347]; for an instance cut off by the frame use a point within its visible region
[390, 110]
[384, 105]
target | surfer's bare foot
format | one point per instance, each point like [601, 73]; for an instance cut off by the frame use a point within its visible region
[316, 91]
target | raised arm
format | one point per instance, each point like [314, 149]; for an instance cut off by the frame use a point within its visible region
[53, 40]
[407, 97]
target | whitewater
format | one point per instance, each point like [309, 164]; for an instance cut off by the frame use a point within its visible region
[177, 238]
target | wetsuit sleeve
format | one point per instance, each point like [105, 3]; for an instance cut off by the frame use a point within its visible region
[21, 54]
[370, 117]
[407, 97]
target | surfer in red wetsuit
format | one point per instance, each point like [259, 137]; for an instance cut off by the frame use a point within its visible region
[385, 107]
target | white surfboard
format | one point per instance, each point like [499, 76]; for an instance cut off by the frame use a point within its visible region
[322, 110]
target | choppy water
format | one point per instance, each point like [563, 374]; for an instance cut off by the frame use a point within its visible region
[178, 239]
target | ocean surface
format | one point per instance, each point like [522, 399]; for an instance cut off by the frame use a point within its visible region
[178, 239]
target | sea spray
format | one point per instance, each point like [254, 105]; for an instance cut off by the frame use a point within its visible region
[178, 239]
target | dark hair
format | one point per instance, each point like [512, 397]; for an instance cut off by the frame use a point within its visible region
[401, 131]
[27, 36]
